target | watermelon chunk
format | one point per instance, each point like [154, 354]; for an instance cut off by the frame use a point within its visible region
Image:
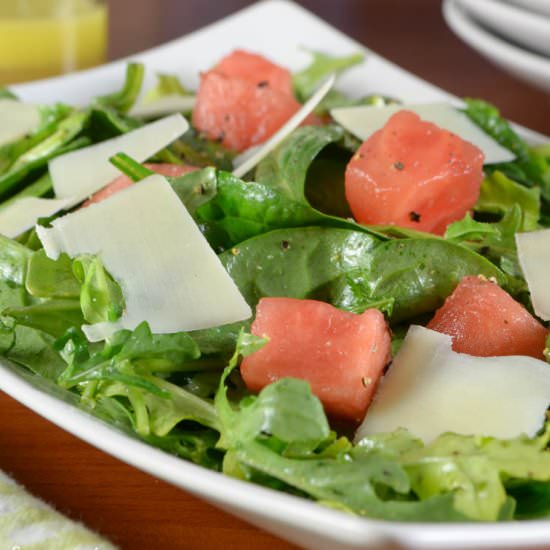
[484, 320]
[256, 69]
[122, 182]
[413, 174]
[244, 100]
[342, 355]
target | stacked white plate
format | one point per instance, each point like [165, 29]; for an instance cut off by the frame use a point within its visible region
[514, 34]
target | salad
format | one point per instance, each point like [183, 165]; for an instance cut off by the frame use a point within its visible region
[359, 324]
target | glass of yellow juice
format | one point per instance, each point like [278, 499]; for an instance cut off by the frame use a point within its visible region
[41, 38]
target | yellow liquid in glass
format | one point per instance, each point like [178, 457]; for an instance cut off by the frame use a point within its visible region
[40, 38]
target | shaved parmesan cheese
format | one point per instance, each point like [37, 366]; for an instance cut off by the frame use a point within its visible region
[81, 173]
[17, 119]
[20, 215]
[247, 160]
[534, 259]
[173, 103]
[364, 120]
[147, 240]
[430, 390]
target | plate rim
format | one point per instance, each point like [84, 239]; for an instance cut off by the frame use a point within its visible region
[484, 42]
[352, 530]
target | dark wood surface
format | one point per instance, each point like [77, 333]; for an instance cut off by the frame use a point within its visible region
[133, 509]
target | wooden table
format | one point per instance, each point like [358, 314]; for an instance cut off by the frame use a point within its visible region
[133, 509]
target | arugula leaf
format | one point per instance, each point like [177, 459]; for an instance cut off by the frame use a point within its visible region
[130, 366]
[159, 414]
[499, 193]
[167, 84]
[322, 65]
[195, 445]
[468, 229]
[269, 442]
[164, 350]
[335, 100]
[137, 352]
[475, 469]
[496, 241]
[531, 168]
[288, 415]
[220, 341]
[520, 210]
[25, 346]
[101, 297]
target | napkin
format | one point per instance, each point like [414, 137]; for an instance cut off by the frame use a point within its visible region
[27, 523]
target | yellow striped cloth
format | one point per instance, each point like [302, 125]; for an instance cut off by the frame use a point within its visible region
[27, 523]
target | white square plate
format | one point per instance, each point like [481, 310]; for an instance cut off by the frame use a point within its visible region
[280, 30]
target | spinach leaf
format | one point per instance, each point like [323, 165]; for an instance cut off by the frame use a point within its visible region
[48, 278]
[38, 156]
[322, 66]
[53, 317]
[106, 123]
[43, 185]
[124, 99]
[194, 189]
[532, 499]
[198, 150]
[420, 273]
[50, 117]
[309, 262]
[276, 199]
[353, 270]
